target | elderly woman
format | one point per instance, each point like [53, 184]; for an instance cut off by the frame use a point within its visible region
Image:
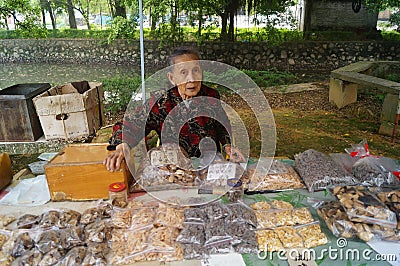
[203, 117]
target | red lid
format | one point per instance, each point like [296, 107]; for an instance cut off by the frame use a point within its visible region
[117, 187]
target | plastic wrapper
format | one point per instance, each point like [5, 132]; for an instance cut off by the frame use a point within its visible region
[51, 257]
[169, 216]
[216, 210]
[279, 213]
[31, 257]
[22, 244]
[163, 238]
[215, 231]
[49, 219]
[6, 220]
[194, 251]
[98, 232]
[47, 240]
[91, 215]
[239, 212]
[165, 167]
[192, 233]
[220, 246]
[243, 237]
[362, 206]
[359, 150]
[289, 237]
[94, 259]
[392, 200]
[280, 176]
[75, 256]
[68, 218]
[340, 225]
[344, 160]
[268, 240]
[121, 217]
[319, 171]
[195, 214]
[372, 171]
[142, 216]
[27, 221]
[336, 219]
[5, 247]
[312, 235]
[71, 237]
[218, 174]
[127, 246]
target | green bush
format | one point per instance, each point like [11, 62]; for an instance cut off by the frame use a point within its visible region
[118, 92]
[234, 78]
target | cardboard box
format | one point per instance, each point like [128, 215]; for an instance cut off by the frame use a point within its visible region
[78, 173]
[5, 170]
[71, 111]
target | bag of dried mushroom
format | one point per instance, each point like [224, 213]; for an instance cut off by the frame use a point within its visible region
[59, 236]
[319, 171]
[340, 225]
[166, 167]
[363, 206]
[275, 176]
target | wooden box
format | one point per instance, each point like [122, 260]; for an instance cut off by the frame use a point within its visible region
[77, 173]
[71, 111]
[5, 170]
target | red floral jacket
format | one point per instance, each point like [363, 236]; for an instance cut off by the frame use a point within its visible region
[178, 122]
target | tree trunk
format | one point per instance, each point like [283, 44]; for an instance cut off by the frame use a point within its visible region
[224, 23]
[120, 9]
[71, 15]
[43, 17]
[307, 18]
[200, 17]
[231, 29]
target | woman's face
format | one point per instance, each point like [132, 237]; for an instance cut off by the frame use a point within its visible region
[186, 75]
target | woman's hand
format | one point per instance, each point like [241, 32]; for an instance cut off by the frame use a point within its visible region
[235, 155]
[113, 160]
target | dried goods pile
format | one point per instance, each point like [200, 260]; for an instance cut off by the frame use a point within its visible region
[218, 228]
[278, 177]
[319, 171]
[282, 226]
[359, 213]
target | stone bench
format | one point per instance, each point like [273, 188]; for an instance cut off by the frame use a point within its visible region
[346, 81]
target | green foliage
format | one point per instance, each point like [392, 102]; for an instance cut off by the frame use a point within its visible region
[270, 78]
[122, 28]
[118, 91]
[393, 77]
[75, 33]
[391, 35]
[234, 78]
[394, 19]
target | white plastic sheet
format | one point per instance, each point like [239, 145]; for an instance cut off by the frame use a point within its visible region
[28, 192]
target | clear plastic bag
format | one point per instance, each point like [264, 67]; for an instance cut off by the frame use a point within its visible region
[312, 235]
[121, 217]
[68, 218]
[374, 171]
[192, 233]
[319, 171]
[280, 176]
[362, 206]
[169, 216]
[240, 212]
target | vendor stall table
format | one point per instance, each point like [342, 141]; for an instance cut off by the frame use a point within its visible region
[335, 252]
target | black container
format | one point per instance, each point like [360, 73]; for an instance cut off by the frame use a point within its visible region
[18, 118]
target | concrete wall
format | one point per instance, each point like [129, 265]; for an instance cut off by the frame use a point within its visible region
[299, 56]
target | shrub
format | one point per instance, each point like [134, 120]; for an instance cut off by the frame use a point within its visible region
[118, 92]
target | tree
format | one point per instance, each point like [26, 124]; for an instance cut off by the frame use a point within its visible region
[25, 15]
[46, 6]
